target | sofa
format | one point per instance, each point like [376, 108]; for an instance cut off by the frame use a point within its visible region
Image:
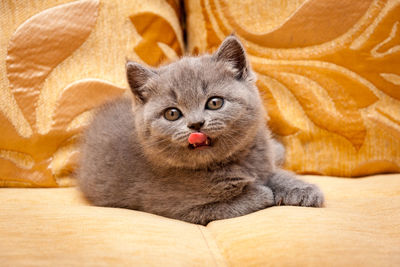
[328, 73]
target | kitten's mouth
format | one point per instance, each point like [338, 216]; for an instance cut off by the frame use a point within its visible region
[199, 140]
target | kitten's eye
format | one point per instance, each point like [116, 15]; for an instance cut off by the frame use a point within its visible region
[214, 103]
[172, 114]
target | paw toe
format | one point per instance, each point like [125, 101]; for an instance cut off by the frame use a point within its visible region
[312, 197]
[309, 196]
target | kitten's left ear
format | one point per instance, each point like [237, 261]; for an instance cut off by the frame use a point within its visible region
[232, 51]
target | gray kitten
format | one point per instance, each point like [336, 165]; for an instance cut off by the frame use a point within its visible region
[194, 147]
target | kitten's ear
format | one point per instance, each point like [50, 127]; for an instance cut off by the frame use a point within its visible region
[232, 51]
[138, 76]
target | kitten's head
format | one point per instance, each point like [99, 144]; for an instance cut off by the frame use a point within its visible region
[213, 96]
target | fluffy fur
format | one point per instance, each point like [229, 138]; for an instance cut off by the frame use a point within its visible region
[132, 157]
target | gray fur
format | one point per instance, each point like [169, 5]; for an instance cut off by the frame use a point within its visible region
[132, 157]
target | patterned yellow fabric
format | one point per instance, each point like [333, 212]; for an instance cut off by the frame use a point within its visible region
[329, 73]
[60, 59]
[360, 226]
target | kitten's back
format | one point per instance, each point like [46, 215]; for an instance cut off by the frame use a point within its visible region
[108, 152]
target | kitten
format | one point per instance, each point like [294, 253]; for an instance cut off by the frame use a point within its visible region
[193, 147]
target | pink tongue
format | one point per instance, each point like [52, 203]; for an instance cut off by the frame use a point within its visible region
[197, 138]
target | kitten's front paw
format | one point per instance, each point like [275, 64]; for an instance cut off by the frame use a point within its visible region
[307, 195]
[226, 188]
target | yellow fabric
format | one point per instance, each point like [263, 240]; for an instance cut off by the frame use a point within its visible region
[360, 226]
[329, 73]
[58, 60]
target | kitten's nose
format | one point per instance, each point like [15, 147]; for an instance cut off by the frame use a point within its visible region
[196, 125]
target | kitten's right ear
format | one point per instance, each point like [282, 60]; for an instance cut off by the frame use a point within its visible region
[138, 76]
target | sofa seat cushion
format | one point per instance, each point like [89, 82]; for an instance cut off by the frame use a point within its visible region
[359, 225]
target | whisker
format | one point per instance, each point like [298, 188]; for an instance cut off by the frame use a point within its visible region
[214, 128]
[214, 123]
[180, 136]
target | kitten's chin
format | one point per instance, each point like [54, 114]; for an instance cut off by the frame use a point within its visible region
[201, 157]
[187, 157]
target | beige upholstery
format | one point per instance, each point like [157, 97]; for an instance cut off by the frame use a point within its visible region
[360, 226]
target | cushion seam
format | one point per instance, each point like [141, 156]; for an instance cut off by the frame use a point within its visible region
[206, 240]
